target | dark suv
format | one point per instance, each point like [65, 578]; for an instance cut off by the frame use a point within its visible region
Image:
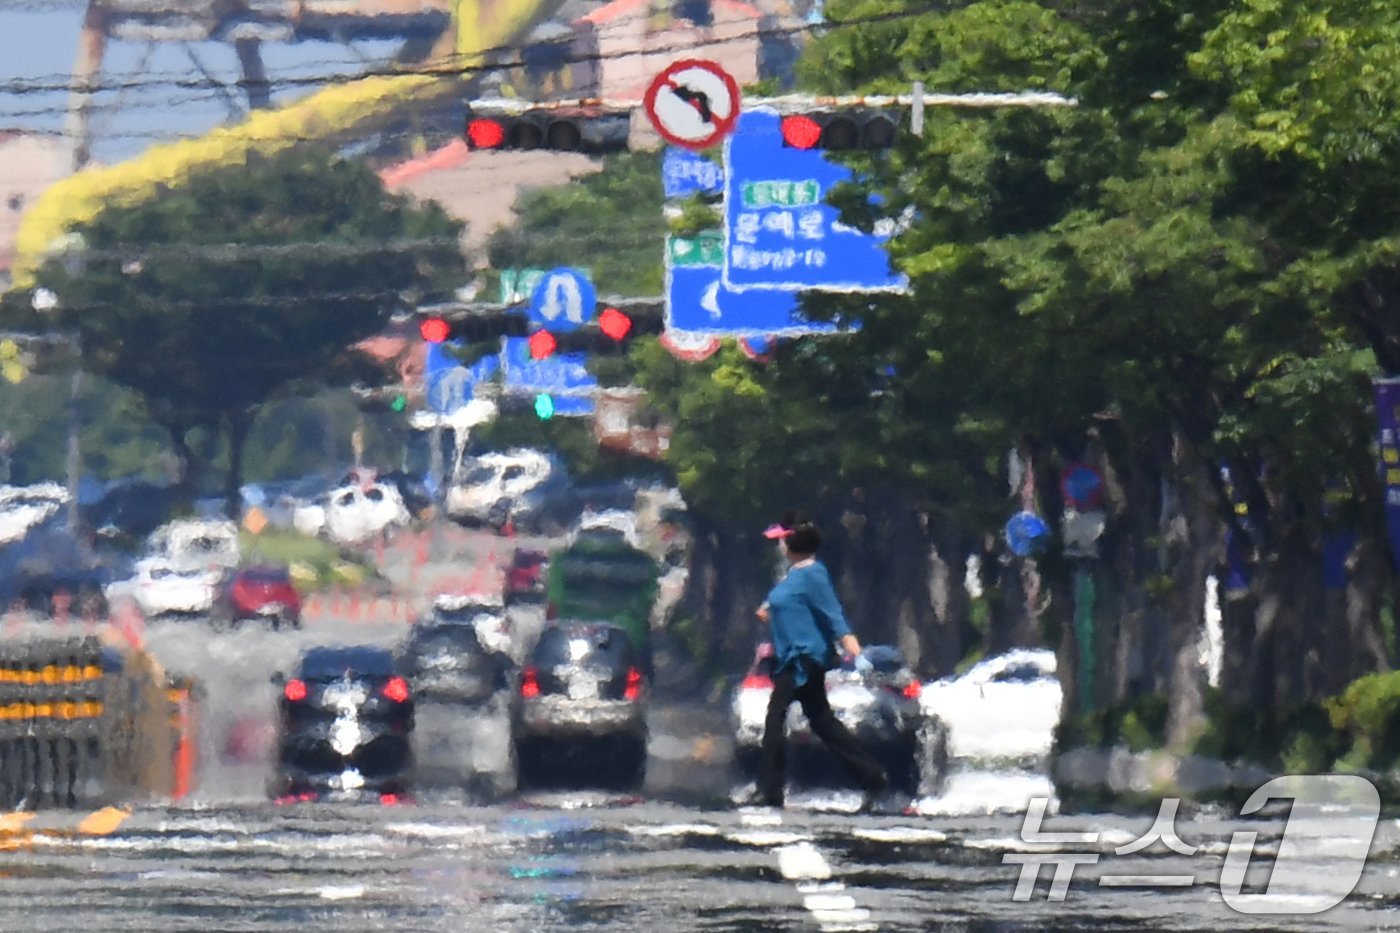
[345, 725]
[583, 693]
[446, 663]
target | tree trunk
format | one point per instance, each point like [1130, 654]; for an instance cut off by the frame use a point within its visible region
[948, 597]
[238, 423]
[1368, 569]
[1196, 551]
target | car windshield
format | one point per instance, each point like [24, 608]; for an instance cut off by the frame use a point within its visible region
[453, 638]
[481, 475]
[604, 645]
[334, 663]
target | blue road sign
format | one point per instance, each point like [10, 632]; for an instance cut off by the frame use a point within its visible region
[698, 302]
[447, 384]
[560, 374]
[684, 173]
[563, 300]
[779, 231]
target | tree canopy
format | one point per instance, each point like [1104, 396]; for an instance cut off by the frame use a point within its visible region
[235, 284]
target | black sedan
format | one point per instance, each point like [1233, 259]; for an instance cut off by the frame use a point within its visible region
[583, 705]
[346, 718]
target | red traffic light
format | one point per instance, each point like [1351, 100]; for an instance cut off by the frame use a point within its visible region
[614, 323]
[485, 134]
[542, 344]
[801, 132]
[434, 330]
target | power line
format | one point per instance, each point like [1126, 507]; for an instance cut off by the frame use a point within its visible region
[446, 69]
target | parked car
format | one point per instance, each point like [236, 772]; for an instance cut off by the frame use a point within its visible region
[882, 709]
[41, 558]
[1004, 708]
[263, 594]
[194, 543]
[525, 577]
[582, 691]
[345, 726]
[524, 487]
[165, 588]
[353, 512]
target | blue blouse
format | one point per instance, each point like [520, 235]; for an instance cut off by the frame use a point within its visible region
[805, 618]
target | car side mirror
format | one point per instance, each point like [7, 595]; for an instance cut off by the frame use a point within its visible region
[277, 679]
[982, 691]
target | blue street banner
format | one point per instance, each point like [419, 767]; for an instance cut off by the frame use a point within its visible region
[780, 234]
[563, 300]
[559, 374]
[1388, 417]
[685, 173]
[447, 384]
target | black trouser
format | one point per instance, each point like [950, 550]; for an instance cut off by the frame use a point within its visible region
[837, 738]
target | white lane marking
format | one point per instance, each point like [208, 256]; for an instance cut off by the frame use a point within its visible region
[676, 829]
[344, 892]
[802, 862]
[827, 900]
[899, 834]
[766, 837]
[435, 830]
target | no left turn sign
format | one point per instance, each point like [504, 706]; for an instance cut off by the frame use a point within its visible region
[693, 103]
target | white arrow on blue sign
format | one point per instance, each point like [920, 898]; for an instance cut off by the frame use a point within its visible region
[563, 300]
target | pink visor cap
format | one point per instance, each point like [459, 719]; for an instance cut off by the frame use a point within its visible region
[776, 531]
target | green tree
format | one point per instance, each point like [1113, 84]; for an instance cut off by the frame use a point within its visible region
[609, 223]
[234, 285]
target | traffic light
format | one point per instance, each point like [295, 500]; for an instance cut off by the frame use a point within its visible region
[472, 328]
[571, 129]
[610, 333]
[841, 129]
[544, 406]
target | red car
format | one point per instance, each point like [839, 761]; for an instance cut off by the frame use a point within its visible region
[525, 576]
[263, 593]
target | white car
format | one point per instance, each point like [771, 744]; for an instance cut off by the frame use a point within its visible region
[163, 587]
[353, 513]
[195, 543]
[487, 488]
[1003, 709]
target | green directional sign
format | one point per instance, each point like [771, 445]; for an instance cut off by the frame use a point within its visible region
[704, 249]
[517, 284]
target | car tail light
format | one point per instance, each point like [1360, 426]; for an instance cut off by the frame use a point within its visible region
[389, 800]
[912, 690]
[551, 611]
[530, 683]
[396, 689]
[295, 690]
[634, 684]
[757, 682]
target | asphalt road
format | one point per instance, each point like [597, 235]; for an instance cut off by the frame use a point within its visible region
[677, 856]
[583, 861]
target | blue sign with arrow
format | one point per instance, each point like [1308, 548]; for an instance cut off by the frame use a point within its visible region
[563, 300]
[779, 231]
[698, 302]
[560, 374]
[447, 384]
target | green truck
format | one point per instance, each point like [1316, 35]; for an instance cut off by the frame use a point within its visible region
[602, 577]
